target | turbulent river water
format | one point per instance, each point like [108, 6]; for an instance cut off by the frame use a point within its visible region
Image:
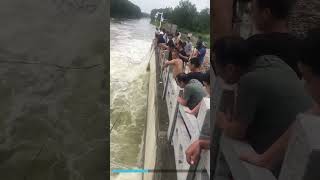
[130, 42]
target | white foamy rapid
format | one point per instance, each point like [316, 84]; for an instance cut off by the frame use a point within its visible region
[130, 42]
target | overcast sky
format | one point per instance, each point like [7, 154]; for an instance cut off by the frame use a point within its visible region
[148, 5]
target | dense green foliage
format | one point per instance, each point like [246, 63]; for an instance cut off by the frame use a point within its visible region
[186, 16]
[124, 9]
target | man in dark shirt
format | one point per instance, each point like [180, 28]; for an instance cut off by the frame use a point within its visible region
[270, 19]
[170, 42]
[182, 54]
[194, 66]
[171, 47]
[269, 96]
[201, 51]
[161, 39]
[309, 67]
[168, 45]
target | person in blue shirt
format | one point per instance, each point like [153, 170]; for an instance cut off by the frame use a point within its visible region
[201, 51]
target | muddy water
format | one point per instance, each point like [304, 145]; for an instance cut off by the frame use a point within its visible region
[130, 42]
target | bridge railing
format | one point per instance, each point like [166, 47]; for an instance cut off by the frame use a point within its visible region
[184, 128]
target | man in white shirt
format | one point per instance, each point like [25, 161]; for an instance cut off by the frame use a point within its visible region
[188, 47]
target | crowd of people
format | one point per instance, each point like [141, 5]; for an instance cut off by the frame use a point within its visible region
[277, 76]
[186, 62]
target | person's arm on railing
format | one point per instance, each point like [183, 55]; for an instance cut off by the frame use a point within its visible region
[184, 58]
[163, 46]
[186, 96]
[272, 156]
[167, 63]
[194, 150]
[195, 110]
[239, 115]
[194, 53]
[182, 101]
[235, 129]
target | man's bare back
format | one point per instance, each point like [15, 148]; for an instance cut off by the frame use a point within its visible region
[176, 62]
[177, 65]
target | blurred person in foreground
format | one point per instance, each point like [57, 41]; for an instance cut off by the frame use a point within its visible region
[309, 66]
[269, 94]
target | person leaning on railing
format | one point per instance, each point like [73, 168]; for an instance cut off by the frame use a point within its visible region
[193, 92]
[160, 39]
[201, 51]
[177, 38]
[268, 96]
[176, 62]
[167, 44]
[233, 50]
[195, 69]
[206, 83]
[270, 19]
[182, 54]
[188, 46]
[264, 125]
[309, 66]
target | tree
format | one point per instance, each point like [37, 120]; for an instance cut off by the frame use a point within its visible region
[124, 9]
[204, 20]
[186, 16]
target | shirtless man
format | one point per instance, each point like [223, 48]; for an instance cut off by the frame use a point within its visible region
[176, 62]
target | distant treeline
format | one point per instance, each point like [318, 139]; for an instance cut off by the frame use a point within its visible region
[125, 9]
[186, 16]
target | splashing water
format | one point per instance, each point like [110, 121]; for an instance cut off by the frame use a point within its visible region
[129, 55]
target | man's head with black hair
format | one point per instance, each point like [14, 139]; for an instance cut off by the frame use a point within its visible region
[232, 58]
[183, 44]
[199, 44]
[194, 64]
[180, 44]
[171, 45]
[182, 79]
[309, 64]
[269, 13]
[175, 53]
